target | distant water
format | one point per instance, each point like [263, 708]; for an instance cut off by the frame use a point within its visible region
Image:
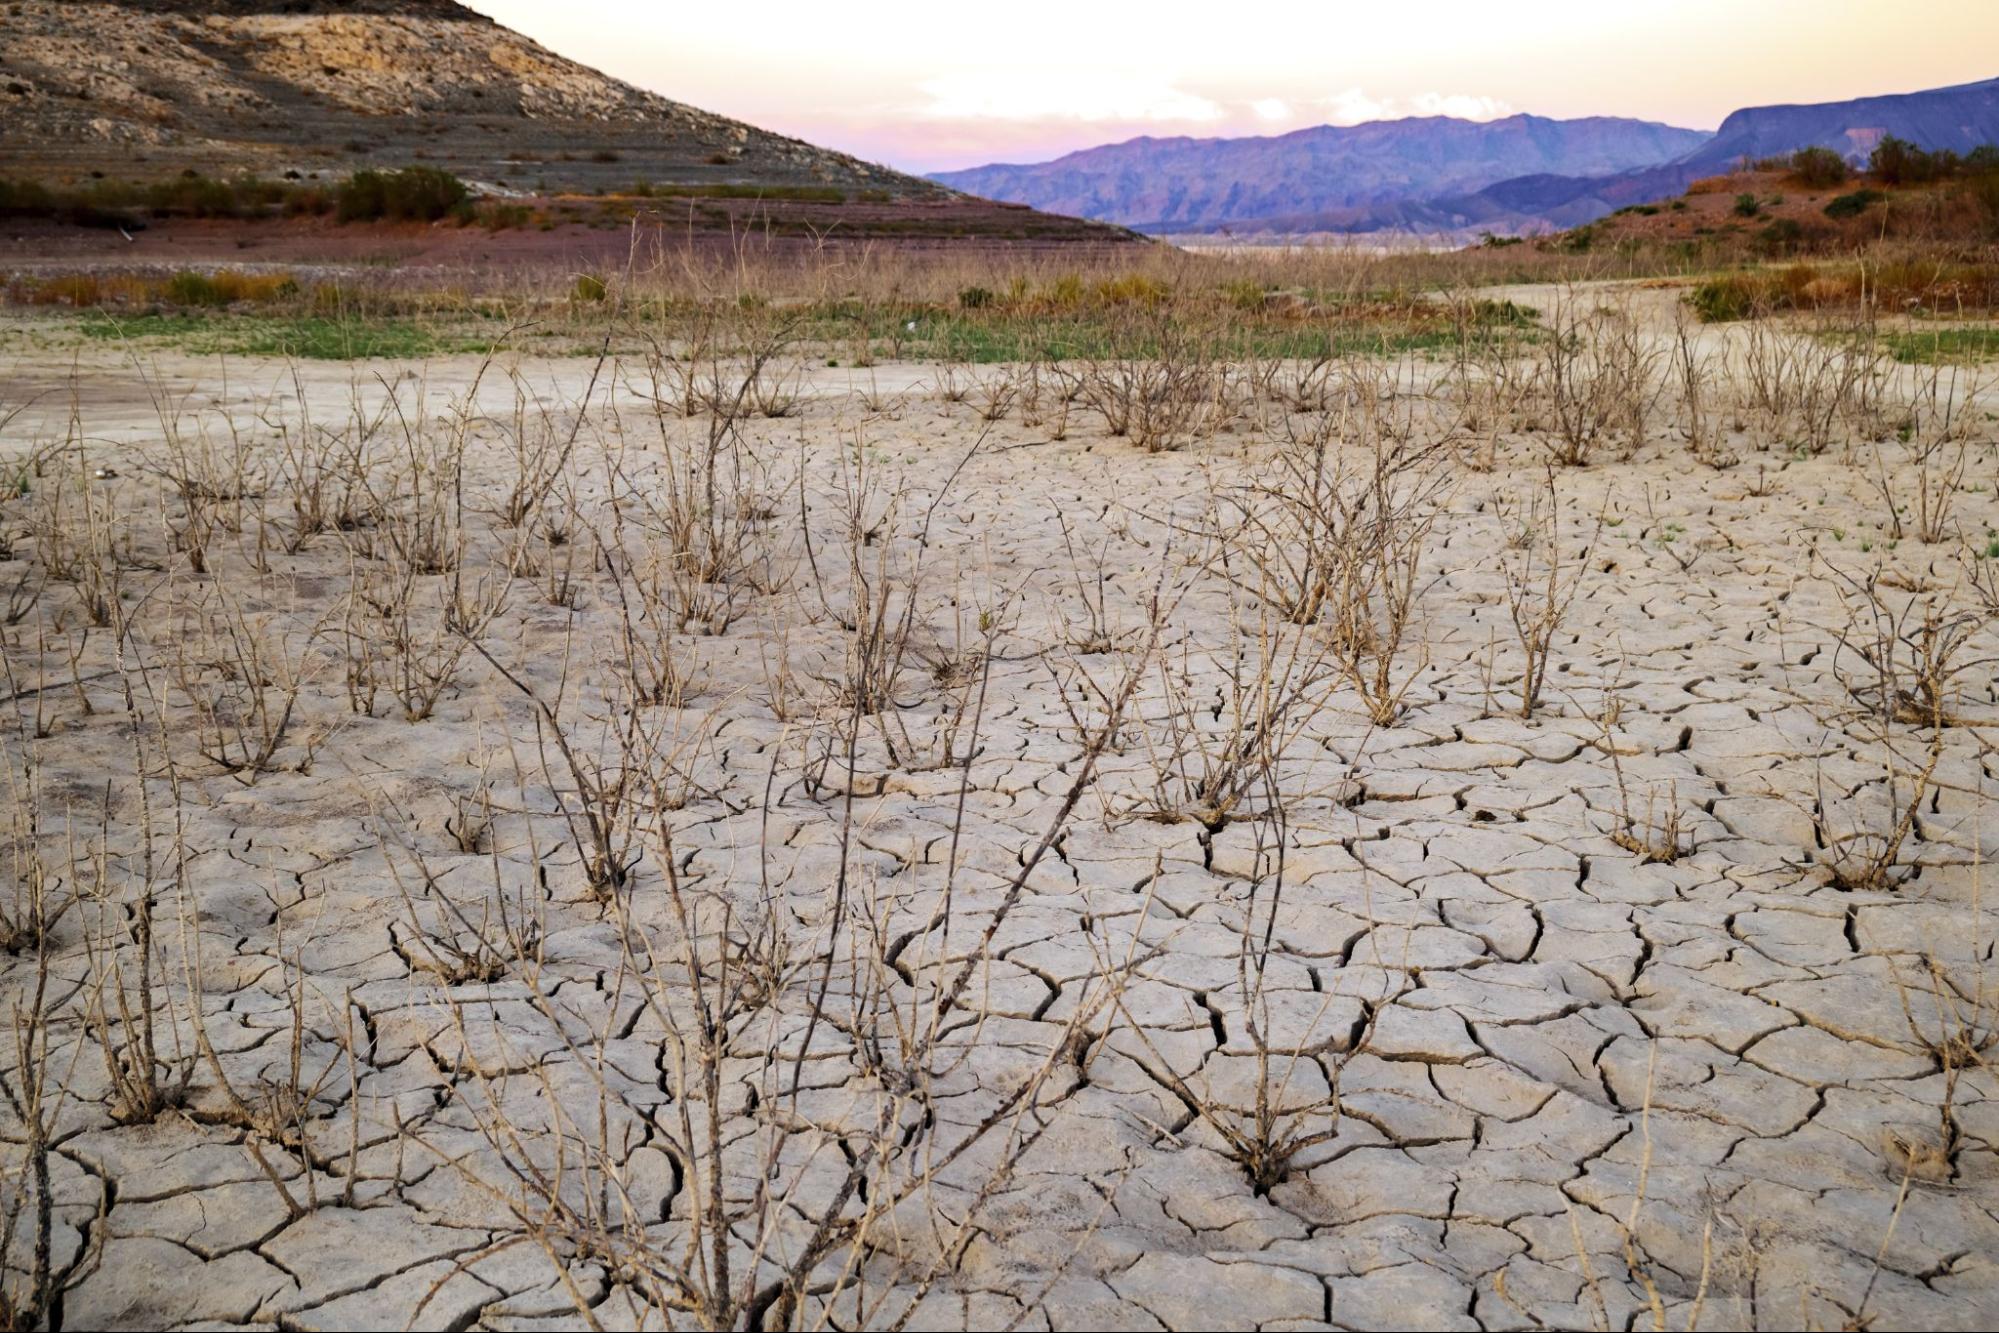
[1372, 246]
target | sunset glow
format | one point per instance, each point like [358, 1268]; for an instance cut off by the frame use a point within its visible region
[926, 88]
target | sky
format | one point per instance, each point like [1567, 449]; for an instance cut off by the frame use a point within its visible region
[933, 86]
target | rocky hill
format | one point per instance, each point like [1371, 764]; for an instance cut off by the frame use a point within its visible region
[1958, 118]
[1438, 175]
[1329, 177]
[147, 88]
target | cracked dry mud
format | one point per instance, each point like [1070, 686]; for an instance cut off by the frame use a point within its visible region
[1576, 1085]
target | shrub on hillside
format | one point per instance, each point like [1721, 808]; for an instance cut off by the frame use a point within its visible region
[414, 194]
[25, 197]
[1852, 205]
[1782, 236]
[1819, 168]
[1984, 191]
[1746, 206]
[1899, 162]
[196, 196]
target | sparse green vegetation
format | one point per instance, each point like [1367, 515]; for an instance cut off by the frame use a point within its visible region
[188, 288]
[1819, 168]
[1898, 162]
[1854, 204]
[308, 337]
[414, 194]
[1941, 346]
[1905, 284]
[1122, 311]
[1780, 236]
[1722, 300]
[105, 203]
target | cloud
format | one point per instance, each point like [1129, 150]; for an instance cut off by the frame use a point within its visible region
[1351, 106]
[1057, 95]
[1465, 106]
[1271, 108]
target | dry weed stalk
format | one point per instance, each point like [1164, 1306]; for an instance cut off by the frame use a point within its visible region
[1541, 584]
[245, 675]
[83, 539]
[885, 564]
[38, 1084]
[441, 936]
[1656, 836]
[1936, 432]
[1597, 373]
[702, 511]
[1232, 715]
[782, 1204]
[1289, 1114]
[1342, 549]
[1898, 659]
[392, 639]
[1699, 419]
[1158, 389]
[1915, 647]
[1810, 391]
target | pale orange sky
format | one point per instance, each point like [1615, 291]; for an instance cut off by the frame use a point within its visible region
[928, 86]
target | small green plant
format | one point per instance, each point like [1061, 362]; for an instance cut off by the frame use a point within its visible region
[1747, 206]
[1246, 294]
[590, 287]
[188, 288]
[1853, 205]
[1720, 300]
[1936, 346]
[226, 287]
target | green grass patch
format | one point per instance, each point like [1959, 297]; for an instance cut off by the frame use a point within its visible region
[977, 332]
[307, 337]
[980, 335]
[1935, 346]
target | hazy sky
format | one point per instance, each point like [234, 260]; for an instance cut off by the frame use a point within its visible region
[926, 86]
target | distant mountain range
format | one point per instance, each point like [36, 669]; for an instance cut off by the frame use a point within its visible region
[1438, 174]
[1343, 174]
